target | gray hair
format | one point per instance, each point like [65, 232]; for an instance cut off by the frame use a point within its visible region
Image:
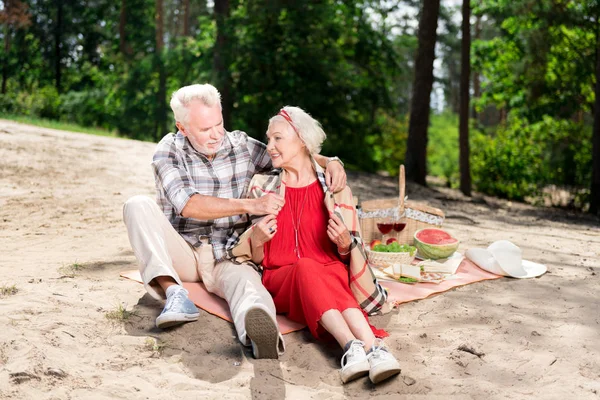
[308, 129]
[181, 99]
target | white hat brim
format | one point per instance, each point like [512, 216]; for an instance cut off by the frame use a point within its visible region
[504, 258]
[532, 270]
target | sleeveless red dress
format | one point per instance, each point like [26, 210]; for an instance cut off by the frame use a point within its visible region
[305, 287]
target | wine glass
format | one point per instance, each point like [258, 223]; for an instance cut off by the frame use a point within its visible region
[385, 226]
[398, 226]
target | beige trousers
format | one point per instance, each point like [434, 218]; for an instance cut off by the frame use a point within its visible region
[161, 251]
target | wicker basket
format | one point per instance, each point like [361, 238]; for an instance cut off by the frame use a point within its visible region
[417, 215]
[383, 259]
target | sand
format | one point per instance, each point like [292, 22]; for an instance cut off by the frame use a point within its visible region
[63, 244]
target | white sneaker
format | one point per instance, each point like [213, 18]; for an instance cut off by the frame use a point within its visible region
[383, 364]
[354, 362]
[178, 309]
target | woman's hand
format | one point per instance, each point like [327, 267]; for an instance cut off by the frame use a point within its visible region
[338, 233]
[264, 230]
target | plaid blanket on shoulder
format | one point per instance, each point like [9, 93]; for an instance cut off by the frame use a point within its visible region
[368, 292]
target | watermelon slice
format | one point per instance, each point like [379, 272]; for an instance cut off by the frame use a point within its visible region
[435, 243]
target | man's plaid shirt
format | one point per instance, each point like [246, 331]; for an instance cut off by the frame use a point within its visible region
[180, 172]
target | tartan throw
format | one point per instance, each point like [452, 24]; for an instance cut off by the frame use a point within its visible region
[371, 296]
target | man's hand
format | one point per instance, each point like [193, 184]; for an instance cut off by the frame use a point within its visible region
[264, 230]
[270, 204]
[335, 176]
[338, 233]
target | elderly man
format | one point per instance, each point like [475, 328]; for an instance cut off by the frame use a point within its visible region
[201, 174]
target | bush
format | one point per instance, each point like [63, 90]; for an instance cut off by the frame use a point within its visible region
[43, 102]
[389, 148]
[84, 108]
[8, 104]
[442, 148]
[522, 157]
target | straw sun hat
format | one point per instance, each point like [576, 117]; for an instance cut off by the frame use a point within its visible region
[504, 258]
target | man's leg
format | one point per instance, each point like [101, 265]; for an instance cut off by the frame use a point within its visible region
[251, 306]
[165, 259]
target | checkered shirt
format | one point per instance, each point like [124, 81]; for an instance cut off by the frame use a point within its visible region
[180, 172]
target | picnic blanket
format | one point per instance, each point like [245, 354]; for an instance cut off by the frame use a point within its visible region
[398, 293]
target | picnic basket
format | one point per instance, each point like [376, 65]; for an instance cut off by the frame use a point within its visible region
[417, 215]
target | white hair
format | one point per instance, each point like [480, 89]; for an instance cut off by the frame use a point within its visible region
[181, 99]
[308, 129]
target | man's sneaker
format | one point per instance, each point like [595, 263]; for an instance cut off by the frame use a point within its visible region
[179, 309]
[263, 333]
[354, 362]
[383, 364]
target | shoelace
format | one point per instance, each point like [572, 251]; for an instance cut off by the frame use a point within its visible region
[353, 351]
[176, 300]
[378, 350]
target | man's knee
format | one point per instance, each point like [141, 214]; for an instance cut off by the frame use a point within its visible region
[137, 206]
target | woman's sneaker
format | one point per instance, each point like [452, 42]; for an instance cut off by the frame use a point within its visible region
[383, 364]
[178, 309]
[354, 362]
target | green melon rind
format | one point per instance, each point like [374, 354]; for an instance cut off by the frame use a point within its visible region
[435, 251]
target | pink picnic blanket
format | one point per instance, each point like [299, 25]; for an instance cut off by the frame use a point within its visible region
[467, 273]
[398, 292]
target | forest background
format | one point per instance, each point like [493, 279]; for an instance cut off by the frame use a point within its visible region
[383, 77]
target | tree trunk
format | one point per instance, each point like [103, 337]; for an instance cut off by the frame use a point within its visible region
[186, 17]
[476, 81]
[6, 55]
[465, 72]
[595, 187]
[161, 109]
[221, 60]
[416, 147]
[57, 40]
[122, 24]
[14, 16]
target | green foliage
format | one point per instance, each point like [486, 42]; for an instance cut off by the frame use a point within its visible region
[389, 147]
[324, 57]
[442, 148]
[8, 104]
[349, 64]
[84, 108]
[537, 69]
[43, 102]
[523, 157]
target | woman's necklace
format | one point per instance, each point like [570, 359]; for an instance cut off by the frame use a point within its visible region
[297, 222]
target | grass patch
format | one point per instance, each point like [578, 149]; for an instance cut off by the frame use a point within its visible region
[63, 126]
[155, 346]
[119, 314]
[6, 290]
[69, 271]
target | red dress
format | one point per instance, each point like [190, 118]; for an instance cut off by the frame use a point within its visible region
[304, 288]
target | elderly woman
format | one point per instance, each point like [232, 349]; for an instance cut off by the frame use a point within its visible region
[305, 249]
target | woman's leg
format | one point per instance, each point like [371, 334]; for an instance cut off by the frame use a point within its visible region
[359, 326]
[354, 361]
[334, 323]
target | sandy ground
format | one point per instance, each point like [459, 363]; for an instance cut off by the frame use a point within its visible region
[63, 244]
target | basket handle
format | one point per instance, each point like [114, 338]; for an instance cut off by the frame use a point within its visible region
[402, 185]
